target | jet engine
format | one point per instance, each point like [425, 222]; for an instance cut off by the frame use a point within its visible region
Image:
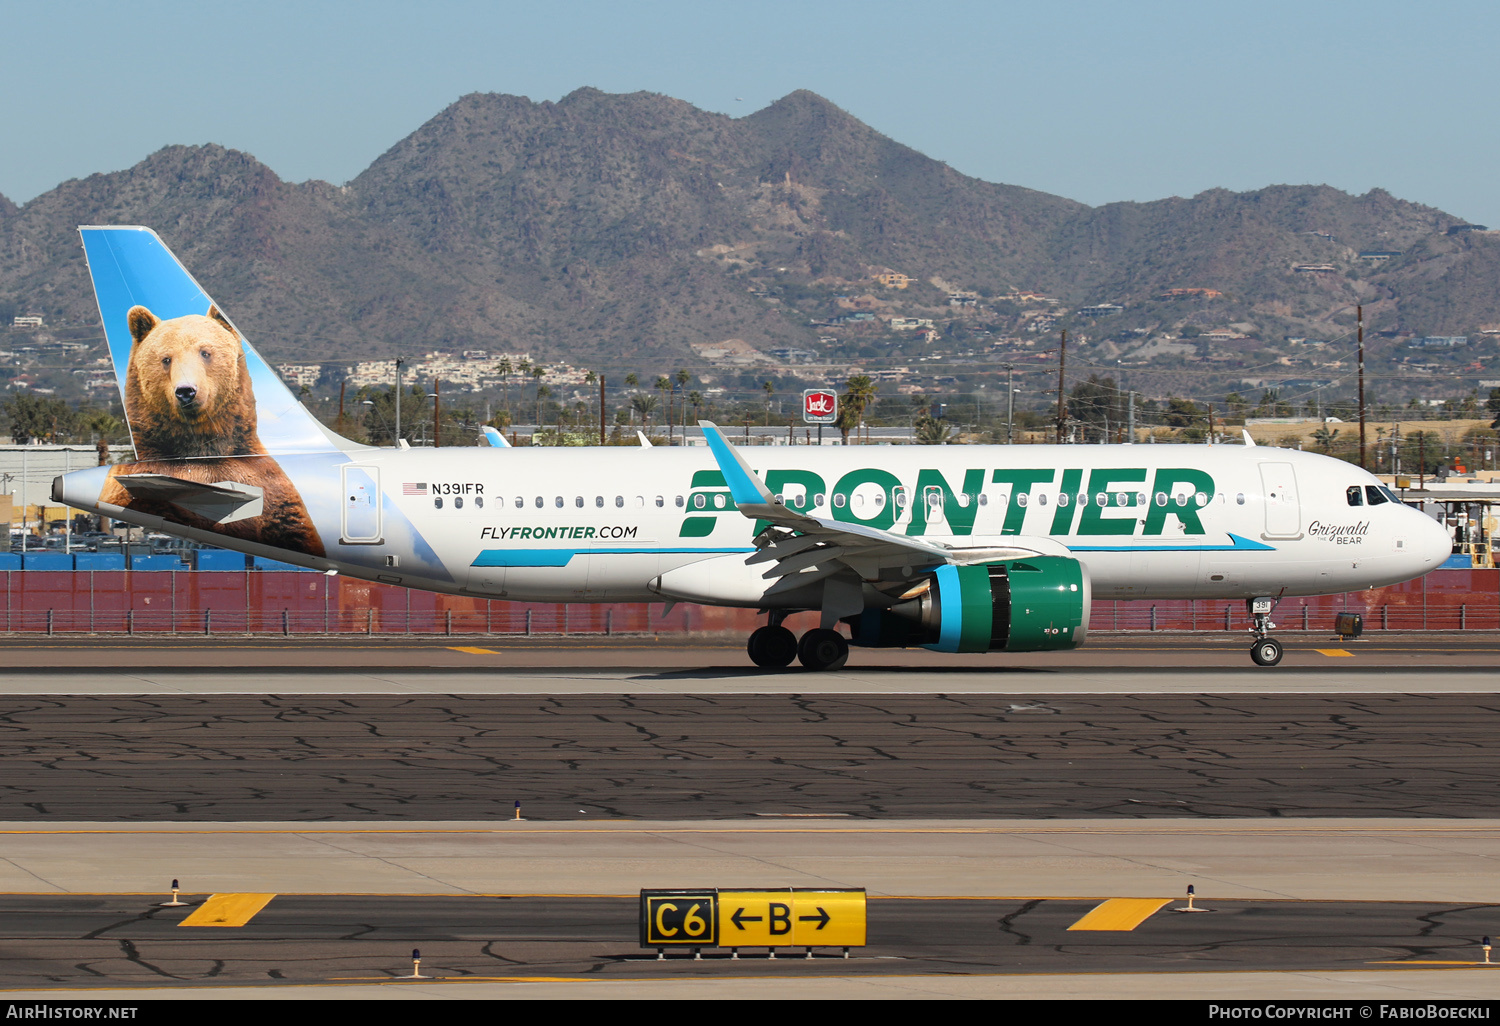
[1017, 605]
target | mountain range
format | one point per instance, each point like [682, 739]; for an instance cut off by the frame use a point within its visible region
[615, 230]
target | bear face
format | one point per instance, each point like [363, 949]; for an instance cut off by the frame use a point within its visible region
[187, 388]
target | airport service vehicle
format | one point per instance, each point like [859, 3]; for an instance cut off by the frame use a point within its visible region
[951, 548]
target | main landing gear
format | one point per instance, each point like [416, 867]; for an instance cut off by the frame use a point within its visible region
[773, 646]
[1267, 650]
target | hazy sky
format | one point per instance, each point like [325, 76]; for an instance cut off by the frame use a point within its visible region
[1091, 100]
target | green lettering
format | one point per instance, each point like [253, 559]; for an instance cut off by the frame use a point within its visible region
[523, 532]
[885, 514]
[960, 518]
[777, 480]
[588, 532]
[1093, 520]
[1062, 520]
[1166, 481]
[1021, 482]
[708, 479]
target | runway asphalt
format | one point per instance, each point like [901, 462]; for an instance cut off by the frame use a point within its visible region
[1356, 770]
[307, 758]
[93, 940]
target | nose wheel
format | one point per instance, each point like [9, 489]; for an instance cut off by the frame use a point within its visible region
[1266, 652]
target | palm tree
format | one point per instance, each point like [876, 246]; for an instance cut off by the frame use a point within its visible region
[931, 431]
[680, 379]
[696, 399]
[770, 390]
[591, 379]
[1324, 437]
[505, 370]
[859, 395]
[664, 386]
[542, 392]
[644, 405]
[538, 372]
[631, 381]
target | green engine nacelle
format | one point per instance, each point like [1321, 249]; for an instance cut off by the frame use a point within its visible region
[1020, 605]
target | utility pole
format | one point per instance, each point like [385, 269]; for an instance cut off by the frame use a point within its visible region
[399, 363]
[437, 423]
[1131, 414]
[1360, 313]
[1062, 409]
[1010, 401]
[601, 409]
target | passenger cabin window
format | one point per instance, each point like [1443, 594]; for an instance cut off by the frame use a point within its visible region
[619, 502]
[437, 503]
[1355, 495]
[479, 501]
[598, 502]
[540, 502]
[458, 502]
[679, 501]
[578, 501]
[1376, 495]
[558, 502]
[660, 502]
[1239, 498]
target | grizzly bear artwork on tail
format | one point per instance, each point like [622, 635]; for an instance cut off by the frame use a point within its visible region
[191, 408]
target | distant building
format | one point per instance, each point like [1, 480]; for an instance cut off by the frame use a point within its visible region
[1439, 342]
[894, 280]
[1100, 310]
[300, 375]
[1379, 256]
[26, 322]
[910, 323]
[1314, 268]
[1191, 294]
[1459, 229]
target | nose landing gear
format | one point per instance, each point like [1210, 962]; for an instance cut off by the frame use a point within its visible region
[1267, 650]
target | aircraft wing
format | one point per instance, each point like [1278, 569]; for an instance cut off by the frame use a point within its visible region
[810, 548]
[223, 502]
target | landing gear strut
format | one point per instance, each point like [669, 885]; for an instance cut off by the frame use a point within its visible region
[1267, 650]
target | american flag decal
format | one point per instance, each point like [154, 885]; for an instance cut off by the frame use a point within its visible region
[414, 488]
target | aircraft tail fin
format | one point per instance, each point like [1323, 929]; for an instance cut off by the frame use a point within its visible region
[188, 378]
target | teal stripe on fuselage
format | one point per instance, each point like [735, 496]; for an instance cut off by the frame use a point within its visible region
[1237, 544]
[562, 557]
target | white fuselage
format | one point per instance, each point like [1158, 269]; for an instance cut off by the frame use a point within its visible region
[623, 524]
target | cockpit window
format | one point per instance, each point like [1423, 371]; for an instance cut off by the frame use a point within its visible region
[1390, 494]
[1375, 494]
[1355, 495]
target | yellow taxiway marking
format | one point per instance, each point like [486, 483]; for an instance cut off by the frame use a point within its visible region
[1120, 914]
[1493, 965]
[1335, 652]
[227, 910]
[472, 651]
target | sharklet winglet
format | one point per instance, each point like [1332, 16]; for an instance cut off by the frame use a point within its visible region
[744, 487]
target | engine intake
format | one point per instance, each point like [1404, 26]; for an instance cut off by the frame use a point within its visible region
[1020, 605]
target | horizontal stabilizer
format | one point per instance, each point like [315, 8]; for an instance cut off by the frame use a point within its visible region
[223, 502]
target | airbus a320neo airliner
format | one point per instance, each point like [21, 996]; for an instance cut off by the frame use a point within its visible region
[952, 548]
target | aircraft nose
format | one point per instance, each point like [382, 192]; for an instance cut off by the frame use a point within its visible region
[1431, 544]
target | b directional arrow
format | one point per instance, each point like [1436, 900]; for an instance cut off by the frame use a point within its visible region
[821, 918]
[739, 919]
